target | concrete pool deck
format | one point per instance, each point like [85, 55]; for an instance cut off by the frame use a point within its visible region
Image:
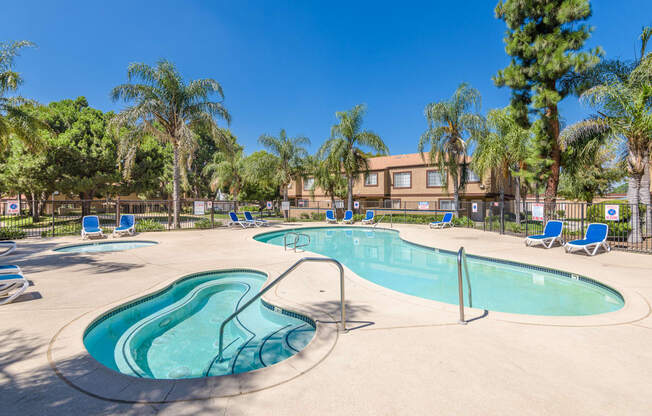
[401, 355]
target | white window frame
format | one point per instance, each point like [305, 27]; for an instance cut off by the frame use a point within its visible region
[409, 183]
[438, 173]
[369, 175]
[305, 183]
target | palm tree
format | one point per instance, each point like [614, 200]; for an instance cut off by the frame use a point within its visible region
[503, 151]
[624, 112]
[291, 154]
[167, 107]
[343, 151]
[14, 119]
[451, 124]
[228, 165]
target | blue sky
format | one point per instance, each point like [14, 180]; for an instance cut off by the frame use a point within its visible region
[291, 65]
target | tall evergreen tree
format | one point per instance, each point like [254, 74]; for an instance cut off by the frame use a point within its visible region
[544, 39]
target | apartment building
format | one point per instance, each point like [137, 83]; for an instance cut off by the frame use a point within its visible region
[401, 181]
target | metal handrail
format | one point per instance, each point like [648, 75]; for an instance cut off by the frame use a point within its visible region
[277, 280]
[378, 222]
[461, 256]
[285, 239]
[297, 236]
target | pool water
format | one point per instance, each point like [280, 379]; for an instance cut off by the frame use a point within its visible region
[101, 247]
[382, 257]
[174, 334]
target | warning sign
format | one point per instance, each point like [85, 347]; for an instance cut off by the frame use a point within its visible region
[612, 212]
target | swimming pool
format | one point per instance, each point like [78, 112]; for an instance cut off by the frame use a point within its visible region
[173, 333]
[382, 257]
[104, 246]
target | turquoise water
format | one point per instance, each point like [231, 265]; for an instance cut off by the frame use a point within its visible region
[100, 247]
[174, 334]
[382, 257]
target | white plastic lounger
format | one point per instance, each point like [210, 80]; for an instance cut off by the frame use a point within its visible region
[369, 217]
[9, 269]
[446, 221]
[551, 233]
[91, 227]
[595, 237]
[127, 225]
[330, 217]
[8, 247]
[257, 222]
[14, 282]
[348, 217]
[237, 221]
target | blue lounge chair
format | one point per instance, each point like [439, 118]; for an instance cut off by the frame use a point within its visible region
[12, 282]
[330, 217]
[551, 233]
[596, 237]
[369, 217]
[9, 246]
[446, 221]
[348, 217]
[237, 221]
[127, 225]
[91, 226]
[257, 222]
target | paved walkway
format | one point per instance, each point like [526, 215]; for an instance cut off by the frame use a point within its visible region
[404, 355]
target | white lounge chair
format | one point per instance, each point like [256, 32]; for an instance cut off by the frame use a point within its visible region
[348, 217]
[257, 222]
[127, 225]
[551, 233]
[330, 217]
[369, 217]
[13, 282]
[237, 221]
[446, 221]
[91, 227]
[595, 237]
[8, 247]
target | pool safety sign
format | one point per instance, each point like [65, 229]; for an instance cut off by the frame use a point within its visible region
[356, 204]
[339, 204]
[424, 205]
[199, 208]
[611, 212]
[474, 207]
[537, 212]
[12, 208]
[269, 205]
[285, 205]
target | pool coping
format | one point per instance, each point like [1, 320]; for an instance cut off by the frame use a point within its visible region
[635, 306]
[69, 359]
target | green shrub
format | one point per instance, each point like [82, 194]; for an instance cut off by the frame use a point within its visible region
[251, 208]
[315, 216]
[203, 223]
[620, 228]
[514, 227]
[149, 225]
[11, 234]
[304, 216]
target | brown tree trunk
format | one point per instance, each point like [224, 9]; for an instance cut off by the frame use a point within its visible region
[633, 201]
[175, 188]
[349, 193]
[517, 197]
[644, 198]
[555, 155]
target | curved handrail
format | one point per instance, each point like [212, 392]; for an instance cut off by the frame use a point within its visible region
[285, 239]
[296, 241]
[461, 257]
[276, 281]
[378, 222]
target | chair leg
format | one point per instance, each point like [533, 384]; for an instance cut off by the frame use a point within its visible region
[16, 294]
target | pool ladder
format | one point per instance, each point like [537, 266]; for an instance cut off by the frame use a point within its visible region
[295, 244]
[283, 275]
[461, 261]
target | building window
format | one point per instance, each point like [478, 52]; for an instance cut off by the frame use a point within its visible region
[471, 176]
[308, 184]
[433, 179]
[371, 179]
[403, 180]
[446, 204]
[302, 203]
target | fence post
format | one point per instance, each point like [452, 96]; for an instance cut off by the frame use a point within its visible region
[169, 214]
[53, 228]
[582, 222]
[502, 216]
[405, 212]
[526, 220]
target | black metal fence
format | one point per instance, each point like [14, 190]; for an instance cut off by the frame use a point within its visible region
[57, 218]
[630, 226]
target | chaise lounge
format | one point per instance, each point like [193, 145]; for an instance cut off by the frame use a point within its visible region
[446, 221]
[551, 233]
[91, 227]
[595, 237]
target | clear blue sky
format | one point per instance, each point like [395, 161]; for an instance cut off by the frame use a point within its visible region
[291, 64]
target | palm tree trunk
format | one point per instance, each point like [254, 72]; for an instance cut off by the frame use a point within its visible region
[633, 201]
[517, 197]
[456, 194]
[175, 188]
[349, 193]
[644, 198]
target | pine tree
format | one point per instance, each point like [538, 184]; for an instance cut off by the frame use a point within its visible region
[544, 39]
